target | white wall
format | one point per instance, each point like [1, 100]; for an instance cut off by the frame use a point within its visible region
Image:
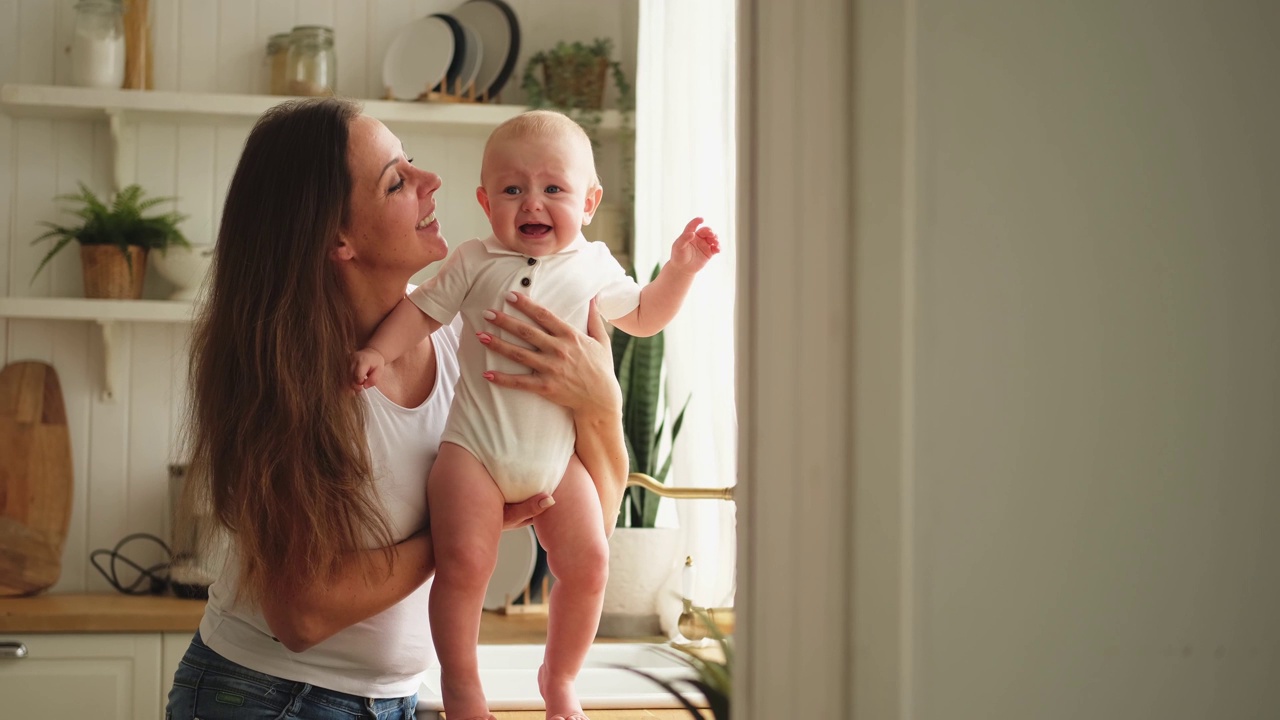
[1083, 250]
[121, 449]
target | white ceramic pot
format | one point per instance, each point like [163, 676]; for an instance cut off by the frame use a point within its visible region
[186, 269]
[643, 564]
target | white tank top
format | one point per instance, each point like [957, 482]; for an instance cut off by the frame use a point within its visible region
[388, 654]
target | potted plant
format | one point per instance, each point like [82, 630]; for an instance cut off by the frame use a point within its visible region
[643, 558]
[638, 363]
[572, 77]
[114, 239]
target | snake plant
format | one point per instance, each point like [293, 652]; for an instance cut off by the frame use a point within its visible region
[638, 361]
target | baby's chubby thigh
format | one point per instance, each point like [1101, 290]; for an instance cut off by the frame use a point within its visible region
[466, 515]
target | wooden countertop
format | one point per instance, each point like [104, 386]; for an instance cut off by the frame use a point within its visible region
[125, 613]
[99, 613]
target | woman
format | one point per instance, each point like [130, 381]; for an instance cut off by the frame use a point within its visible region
[322, 608]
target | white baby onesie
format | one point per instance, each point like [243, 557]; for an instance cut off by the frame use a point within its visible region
[524, 441]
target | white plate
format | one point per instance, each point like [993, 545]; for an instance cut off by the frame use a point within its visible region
[471, 60]
[499, 31]
[418, 58]
[517, 554]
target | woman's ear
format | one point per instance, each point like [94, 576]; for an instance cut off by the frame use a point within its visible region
[341, 249]
[594, 196]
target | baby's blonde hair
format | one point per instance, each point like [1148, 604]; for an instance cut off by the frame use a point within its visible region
[535, 124]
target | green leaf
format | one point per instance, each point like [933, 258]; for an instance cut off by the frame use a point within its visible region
[121, 223]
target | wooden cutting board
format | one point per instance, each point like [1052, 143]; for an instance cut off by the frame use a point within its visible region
[35, 478]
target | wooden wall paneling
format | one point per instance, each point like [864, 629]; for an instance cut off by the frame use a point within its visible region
[148, 452]
[195, 181]
[33, 203]
[8, 73]
[73, 142]
[461, 173]
[241, 55]
[36, 44]
[167, 44]
[316, 12]
[74, 361]
[228, 143]
[8, 168]
[351, 42]
[197, 47]
[385, 20]
[278, 17]
[107, 501]
[64, 24]
[101, 175]
[156, 163]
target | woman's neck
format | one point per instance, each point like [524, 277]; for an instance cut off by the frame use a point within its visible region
[371, 302]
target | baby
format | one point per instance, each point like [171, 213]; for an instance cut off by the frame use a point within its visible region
[538, 187]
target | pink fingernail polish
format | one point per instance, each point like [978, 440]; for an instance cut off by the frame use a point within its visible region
[487, 375]
[512, 297]
[489, 314]
[484, 338]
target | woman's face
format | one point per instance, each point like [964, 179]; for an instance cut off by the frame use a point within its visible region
[392, 225]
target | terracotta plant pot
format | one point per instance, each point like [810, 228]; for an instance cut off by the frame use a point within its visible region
[107, 273]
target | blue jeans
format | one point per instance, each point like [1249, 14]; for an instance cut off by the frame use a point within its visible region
[210, 687]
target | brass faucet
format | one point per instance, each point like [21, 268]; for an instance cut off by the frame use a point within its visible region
[679, 493]
[693, 620]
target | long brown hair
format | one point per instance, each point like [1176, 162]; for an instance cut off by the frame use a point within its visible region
[276, 437]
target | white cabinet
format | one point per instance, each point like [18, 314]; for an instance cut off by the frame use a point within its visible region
[82, 675]
[173, 646]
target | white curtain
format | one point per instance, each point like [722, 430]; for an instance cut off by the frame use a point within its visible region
[685, 168]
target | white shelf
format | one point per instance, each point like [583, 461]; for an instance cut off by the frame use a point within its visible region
[171, 311]
[62, 102]
[106, 313]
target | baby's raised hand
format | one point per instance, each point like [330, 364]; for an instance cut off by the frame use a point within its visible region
[695, 246]
[365, 365]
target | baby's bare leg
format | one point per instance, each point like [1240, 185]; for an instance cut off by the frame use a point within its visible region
[466, 522]
[578, 556]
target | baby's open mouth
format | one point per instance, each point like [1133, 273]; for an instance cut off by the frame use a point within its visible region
[534, 229]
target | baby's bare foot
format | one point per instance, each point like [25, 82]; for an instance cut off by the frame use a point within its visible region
[561, 700]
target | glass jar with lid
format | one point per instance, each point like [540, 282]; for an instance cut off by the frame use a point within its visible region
[278, 64]
[312, 65]
[97, 44]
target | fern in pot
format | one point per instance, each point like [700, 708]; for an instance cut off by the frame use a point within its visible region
[643, 558]
[114, 239]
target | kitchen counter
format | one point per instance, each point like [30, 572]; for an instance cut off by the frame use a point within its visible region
[99, 613]
[125, 613]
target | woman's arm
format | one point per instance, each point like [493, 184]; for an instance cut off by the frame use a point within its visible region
[574, 370]
[365, 585]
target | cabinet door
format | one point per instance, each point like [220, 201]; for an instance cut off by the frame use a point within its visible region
[72, 676]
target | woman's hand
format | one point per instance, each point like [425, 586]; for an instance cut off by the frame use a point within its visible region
[574, 370]
[570, 368]
[517, 515]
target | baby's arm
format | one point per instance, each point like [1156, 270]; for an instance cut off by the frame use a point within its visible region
[398, 333]
[660, 300]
